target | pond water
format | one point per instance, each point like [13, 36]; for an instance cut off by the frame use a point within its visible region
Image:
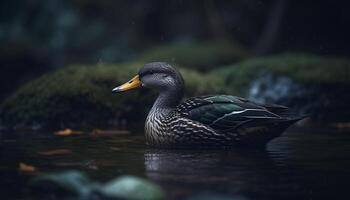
[297, 165]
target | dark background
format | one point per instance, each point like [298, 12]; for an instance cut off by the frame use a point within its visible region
[60, 59]
[37, 36]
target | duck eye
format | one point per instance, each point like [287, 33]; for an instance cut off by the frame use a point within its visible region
[148, 73]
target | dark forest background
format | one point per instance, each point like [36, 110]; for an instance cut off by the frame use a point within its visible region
[38, 36]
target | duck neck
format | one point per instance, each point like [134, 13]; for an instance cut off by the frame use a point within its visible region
[167, 100]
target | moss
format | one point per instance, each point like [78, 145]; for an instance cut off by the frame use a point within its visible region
[201, 56]
[303, 68]
[78, 95]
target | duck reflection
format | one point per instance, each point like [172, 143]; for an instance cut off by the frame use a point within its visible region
[183, 172]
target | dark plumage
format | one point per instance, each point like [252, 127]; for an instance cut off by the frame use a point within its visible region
[205, 121]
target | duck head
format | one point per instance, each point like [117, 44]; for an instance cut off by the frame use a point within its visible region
[157, 75]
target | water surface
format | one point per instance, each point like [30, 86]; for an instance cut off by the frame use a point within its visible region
[297, 165]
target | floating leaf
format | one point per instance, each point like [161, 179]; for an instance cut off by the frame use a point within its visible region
[55, 152]
[342, 125]
[26, 168]
[67, 132]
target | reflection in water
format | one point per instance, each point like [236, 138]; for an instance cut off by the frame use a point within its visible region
[313, 151]
[295, 166]
[230, 172]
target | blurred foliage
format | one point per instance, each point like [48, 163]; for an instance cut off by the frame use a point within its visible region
[81, 96]
[39, 36]
[303, 68]
[197, 55]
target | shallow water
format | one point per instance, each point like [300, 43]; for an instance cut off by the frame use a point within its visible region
[297, 165]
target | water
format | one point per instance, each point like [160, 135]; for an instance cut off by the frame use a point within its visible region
[297, 165]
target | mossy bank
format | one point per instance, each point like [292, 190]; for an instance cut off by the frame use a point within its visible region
[313, 85]
[80, 96]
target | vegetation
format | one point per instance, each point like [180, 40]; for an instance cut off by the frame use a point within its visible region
[303, 68]
[202, 56]
[81, 95]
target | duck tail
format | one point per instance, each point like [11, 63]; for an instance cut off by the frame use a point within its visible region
[289, 115]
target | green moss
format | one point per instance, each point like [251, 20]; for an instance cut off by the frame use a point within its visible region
[201, 56]
[303, 68]
[78, 95]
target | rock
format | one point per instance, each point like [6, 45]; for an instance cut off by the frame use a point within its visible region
[321, 102]
[133, 188]
[312, 85]
[76, 185]
[70, 183]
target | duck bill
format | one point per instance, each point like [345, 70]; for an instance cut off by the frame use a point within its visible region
[132, 84]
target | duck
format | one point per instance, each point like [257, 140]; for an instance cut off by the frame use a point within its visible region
[211, 121]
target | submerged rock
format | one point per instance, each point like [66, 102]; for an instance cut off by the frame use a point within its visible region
[76, 185]
[312, 85]
[130, 187]
[70, 183]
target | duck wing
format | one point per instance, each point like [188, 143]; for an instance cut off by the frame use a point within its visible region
[225, 112]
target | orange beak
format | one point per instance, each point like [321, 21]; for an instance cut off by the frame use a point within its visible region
[132, 84]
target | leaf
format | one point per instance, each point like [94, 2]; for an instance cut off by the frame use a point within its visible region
[67, 132]
[26, 168]
[342, 125]
[55, 152]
